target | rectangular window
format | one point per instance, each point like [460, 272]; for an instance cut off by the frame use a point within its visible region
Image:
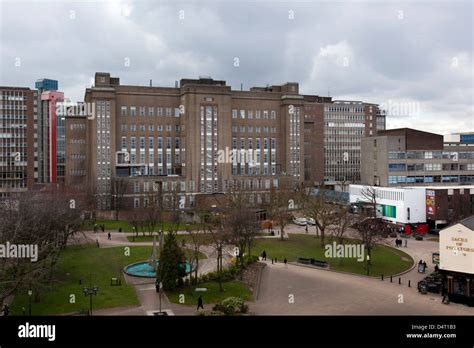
[273, 115]
[133, 111]
[250, 114]
[151, 111]
[234, 113]
[265, 114]
[142, 111]
[242, 114]
[123, 111]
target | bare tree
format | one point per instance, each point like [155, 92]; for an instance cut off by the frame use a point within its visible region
[317, 205]
[371, 228]
[120, 188]
[280, 207]
[45, 221]
[243, 226]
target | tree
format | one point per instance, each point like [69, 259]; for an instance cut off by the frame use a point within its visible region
[120, 188]
[197, 240]
[43, 220]
[280, 207]
[243, 226]
[371, 228]
[342, 222]
[318, 205]
[171, 268]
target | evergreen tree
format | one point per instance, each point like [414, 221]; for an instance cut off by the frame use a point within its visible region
[172, 263]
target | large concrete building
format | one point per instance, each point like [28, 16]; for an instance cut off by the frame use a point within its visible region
[400, 157]
[18, 110]
[151, 139]
[50, 139]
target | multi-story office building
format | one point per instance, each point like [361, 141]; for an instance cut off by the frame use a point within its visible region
[204, 137]
[50, 134]
[346, 123]
[400, 157]
[18, 108]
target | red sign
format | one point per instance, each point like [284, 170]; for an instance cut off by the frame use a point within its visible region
[430, 203]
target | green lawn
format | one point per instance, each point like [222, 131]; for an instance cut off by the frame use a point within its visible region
[114, 225]
[385, 260]
[206, 239]
[232, 288]
[82, 263]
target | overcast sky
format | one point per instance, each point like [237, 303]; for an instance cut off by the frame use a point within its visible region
[414, 58]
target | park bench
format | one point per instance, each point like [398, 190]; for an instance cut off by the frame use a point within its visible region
[303, 260]
[319, 263]
[312, 261]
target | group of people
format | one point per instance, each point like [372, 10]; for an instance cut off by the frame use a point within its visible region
[274, 260]
[102, 228]
[399, 242]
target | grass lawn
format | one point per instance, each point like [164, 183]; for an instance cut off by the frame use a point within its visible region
[81, 263]
[385, 260]
[114, 225]
[206, 239]
[232, 288]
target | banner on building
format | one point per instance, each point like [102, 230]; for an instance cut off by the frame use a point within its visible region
[430, 204]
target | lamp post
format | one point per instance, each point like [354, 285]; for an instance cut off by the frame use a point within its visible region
[159, 285]
[30, 293]
[89, 292]
[368, 264]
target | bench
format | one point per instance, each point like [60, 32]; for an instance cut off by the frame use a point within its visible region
[311, 261]
[303, 260]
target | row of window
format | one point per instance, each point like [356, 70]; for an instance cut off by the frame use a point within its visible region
[150, 111]
[430, 179]
[77, 141]
[250, 142]
[249, 114]
[401, 167]
[431, 155]
[78, 126]
[250, 129]
[151, 128]
[151, 142]
[338, 108]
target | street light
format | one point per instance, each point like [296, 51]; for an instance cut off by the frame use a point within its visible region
[30, 293]
[159, 285]
[89, 292]
[368, 264]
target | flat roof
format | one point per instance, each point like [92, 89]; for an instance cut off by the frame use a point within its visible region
[448, 187]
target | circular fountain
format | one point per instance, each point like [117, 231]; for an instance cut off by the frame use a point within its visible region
[147, 269]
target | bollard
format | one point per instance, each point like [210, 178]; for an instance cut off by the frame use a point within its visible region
[391, 280]
[382, 276]
[409, 283]
[399, 281]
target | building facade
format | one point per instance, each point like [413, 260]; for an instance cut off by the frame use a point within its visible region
[18, 111]
[400, 157]
[201, 137]
[50, 144]
[346, 123]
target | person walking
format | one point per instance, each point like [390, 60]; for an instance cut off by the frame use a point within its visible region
[285, 261]
[264, 255]
[406, 243]
[306, 228]
[200, 305]
[109, 236]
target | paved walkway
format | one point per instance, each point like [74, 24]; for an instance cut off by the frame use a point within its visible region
[320, 292]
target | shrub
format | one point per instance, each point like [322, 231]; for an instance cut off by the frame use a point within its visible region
[231, 306]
